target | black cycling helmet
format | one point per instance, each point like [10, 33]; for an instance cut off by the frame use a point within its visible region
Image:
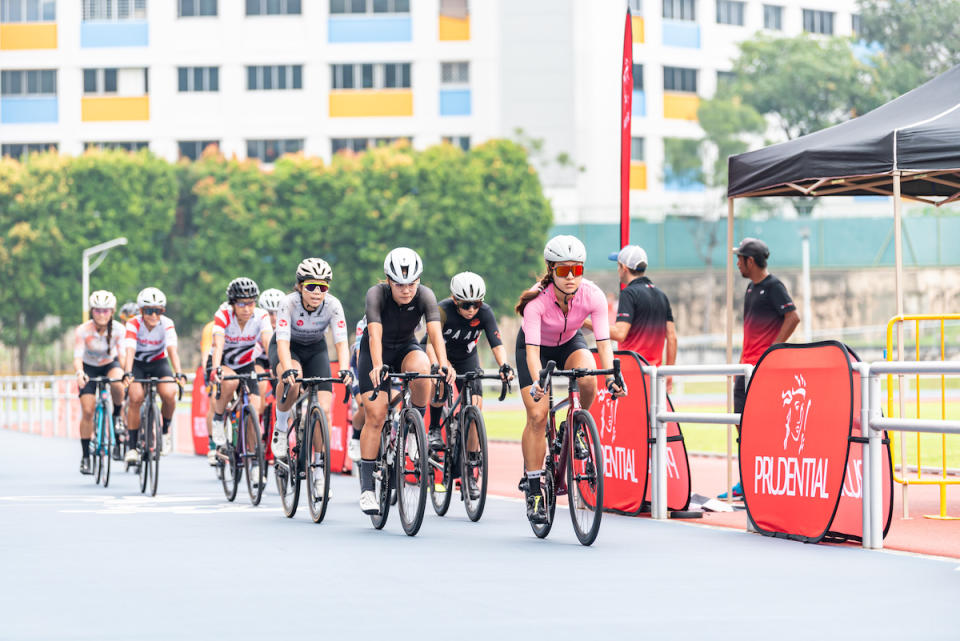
[242, 288]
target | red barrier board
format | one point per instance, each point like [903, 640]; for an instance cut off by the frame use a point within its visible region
[340, 429]
[199, 406]
[624, 435]
[794, 440]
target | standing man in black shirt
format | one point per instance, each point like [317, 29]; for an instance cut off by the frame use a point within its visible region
[644, 322]
[769, 316]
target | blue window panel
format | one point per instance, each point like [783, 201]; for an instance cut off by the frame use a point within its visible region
[673, 182]
[639, 106]
[369, 29]
[129, 33]
[455, 102]
[681, 33]
[28, 110]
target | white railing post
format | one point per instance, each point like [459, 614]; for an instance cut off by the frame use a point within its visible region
[873, 490]
[864, 369]
[661, 447]
[651, 372]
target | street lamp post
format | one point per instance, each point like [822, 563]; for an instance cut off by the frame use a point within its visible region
[102, 250]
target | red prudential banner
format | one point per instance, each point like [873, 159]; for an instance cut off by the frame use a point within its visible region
[794, 440]
[626, 117]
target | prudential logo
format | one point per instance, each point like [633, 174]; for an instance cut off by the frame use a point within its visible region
[798, 411]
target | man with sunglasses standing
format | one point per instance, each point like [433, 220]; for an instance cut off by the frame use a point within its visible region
[299, 347]
[463, 317]
[149, 339]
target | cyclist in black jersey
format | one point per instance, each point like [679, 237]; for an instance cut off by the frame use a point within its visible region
[393, 311]
[463, 317]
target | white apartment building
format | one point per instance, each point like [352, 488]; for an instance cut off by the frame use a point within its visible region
[258, 78]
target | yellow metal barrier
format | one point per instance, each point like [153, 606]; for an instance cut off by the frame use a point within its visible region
[896, 323]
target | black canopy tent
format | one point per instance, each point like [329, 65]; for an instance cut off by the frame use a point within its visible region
[908, 148]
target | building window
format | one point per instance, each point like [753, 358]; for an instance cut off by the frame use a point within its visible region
[114, 10]
[730, 12]
[126, 146]
[194, 8]
[100, 81]
[270, 150]
[773, 17]
[637, 150]
[273, 7]
[357, 145]
[454, 73]
[193, 149]
[392, 75]
[369, 6]
[21, 150]
[818, 21]
[29, 82]
[638, 77]
[855, 24]
[28, 10]
[458, 141]
[680, 9]
[198, 79]
[679, 79]
[636, 7]
[274, 77]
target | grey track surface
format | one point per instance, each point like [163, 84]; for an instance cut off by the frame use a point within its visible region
[81, 562]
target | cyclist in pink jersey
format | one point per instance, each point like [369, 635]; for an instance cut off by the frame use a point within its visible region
[553, 312]
[95, 354]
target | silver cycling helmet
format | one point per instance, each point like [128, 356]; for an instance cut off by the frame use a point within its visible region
[102, 299]
[564, 248]
[468, 286]
[151, 297]
[271, 300]
[403, 265]
[314, 268]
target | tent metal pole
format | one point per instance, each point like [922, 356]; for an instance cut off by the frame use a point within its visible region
[898, 292]
[898, 242]
[729, 328]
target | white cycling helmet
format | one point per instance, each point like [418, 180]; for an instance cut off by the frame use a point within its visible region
[467, 286]
[564, 248]
[314, 268]
[271, 300]
[151, 297]
[102, 299]
[403, 265]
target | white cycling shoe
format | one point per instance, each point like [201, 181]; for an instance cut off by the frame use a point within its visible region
[218, 433]
[353, 449]
[368, 503]
[318, 484]
[279, 444]
[132, 457]
[212, 457]
[167, 444]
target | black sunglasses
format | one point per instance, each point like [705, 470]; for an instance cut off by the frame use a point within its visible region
[470, 304]
[149, 311]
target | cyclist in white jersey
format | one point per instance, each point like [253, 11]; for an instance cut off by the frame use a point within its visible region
[236, 333]
[299, 346]
[149, 339]
[95, 354]
[270, 301]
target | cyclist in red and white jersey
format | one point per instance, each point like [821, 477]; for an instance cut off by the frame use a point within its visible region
[95, 354]
[553, 312]
[237, 330]
[150, 338]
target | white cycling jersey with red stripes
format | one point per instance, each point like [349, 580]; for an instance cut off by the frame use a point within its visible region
[151, 344]
[239, 344]
[91, 347]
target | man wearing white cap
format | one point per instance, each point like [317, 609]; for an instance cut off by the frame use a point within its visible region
[644, 322]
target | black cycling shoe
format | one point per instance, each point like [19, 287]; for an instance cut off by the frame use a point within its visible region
[436, 439]
[85, 467]
[536, 508]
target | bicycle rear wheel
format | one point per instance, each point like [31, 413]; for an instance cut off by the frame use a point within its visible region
[106, 446]
[94, 451]
[585, 477]
[382, 478]
[317, 463]
[153, 448]
[441, 472]
[473, 464]
[253, 458]
[412, 471]
[289, 485]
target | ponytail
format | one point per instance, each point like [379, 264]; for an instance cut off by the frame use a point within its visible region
[530, 294]
[109, 334]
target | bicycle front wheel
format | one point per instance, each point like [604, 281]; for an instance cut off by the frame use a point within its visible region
[441, 473]
[106, 446]
[412, 471]
[585, 477]
[317, 463]
[155, 440]
[289, 484]
[253, 457]
[95, 444]
[473, 463]
[382, 477]
[143, 438]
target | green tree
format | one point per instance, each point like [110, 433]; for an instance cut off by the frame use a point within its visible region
[918, 40]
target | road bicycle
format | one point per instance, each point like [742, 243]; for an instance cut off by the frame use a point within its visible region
[463, 455]
[574, 461]
[149, 436]
[104, 431]
[244, 449]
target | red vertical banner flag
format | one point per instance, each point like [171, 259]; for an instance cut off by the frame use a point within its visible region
[626, 117]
